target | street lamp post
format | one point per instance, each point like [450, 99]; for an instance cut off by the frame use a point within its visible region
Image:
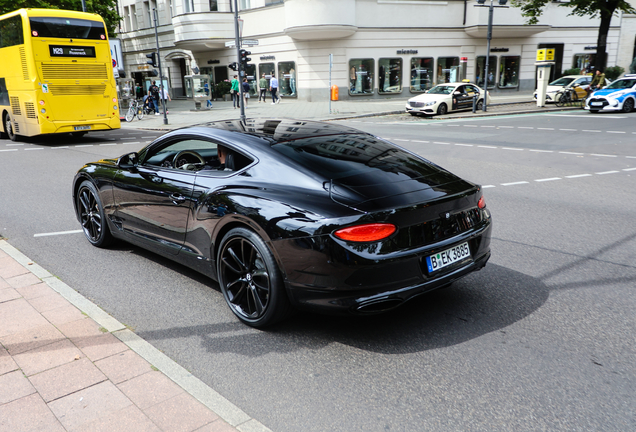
[480, 3]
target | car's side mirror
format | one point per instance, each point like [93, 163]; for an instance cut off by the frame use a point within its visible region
[128, 161]
[457, 93]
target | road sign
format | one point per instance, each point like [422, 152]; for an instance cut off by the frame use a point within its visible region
[249, 42]
[230, 44]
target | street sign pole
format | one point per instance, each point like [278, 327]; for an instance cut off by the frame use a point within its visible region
[237, 42]
[163, 101]
[330, 67]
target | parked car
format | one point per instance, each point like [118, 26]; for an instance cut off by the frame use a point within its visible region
[286, 213]
[620, 95]
[580, 83]
[444, 98]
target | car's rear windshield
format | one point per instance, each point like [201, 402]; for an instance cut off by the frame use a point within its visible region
[622, 84]
[562, 82]
[339, 156]
[67, 28]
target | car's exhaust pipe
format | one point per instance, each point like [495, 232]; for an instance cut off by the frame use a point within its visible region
[378, 306]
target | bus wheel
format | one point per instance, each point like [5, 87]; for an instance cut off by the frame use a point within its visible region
[8, 127]
[77, 134]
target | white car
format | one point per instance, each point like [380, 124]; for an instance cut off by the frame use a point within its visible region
[620, 95]
[444, 98]
[580, 83]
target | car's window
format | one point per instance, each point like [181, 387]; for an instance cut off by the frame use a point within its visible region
[562, 81]
[339, 156]
[472, 89]
[441, 89]
[622, 84]
[194, 151]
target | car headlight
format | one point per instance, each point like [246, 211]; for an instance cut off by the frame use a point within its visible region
[429, 103]
[613, 102]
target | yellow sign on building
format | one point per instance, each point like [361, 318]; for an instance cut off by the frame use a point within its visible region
[545, 54]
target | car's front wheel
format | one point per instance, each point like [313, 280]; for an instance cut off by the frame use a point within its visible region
[628, 105]
[92, 216]
[250, 279]
[442, 109]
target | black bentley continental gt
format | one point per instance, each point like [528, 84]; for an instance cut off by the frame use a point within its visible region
[290, 214]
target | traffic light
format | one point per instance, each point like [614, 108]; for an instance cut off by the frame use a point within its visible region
[233, 66]
[153, 59]
[243, 57]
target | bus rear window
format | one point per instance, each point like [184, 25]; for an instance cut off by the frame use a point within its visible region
[67, 28]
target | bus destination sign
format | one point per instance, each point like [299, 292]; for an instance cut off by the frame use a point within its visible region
[71, 51]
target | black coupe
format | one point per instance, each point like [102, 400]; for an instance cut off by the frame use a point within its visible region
[290, 214]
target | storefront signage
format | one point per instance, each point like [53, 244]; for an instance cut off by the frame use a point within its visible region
[499, 49]
[71, 51]
[591, 48]
[407, 51]
[214, 61]
[268, 57]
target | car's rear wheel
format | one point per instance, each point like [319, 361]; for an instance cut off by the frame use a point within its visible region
[628, 105]
[442, 109]
[92, 216]
[480, 105]
[250, 279]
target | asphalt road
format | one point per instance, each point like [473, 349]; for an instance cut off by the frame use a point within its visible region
[541, 339]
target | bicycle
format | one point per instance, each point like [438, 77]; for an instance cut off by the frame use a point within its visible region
[134, 110]
[566, 96]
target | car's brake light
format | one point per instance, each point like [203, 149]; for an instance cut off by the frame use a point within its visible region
[482, 202]
[366, 233]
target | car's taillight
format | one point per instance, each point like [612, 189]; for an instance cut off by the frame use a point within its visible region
[482, 202]
[366, 233]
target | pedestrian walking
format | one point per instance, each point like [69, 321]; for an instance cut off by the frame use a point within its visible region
[262, 84]
[153, 93]
[165, 97]
[273, 87]
[246, 91]
[234, 91]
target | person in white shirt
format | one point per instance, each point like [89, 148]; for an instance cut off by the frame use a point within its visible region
[164, 96]
[273, 87]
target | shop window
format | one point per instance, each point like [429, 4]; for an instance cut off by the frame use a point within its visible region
[481, 68]
[447, 69]
[361, 76]
[584, 62]
[250, 74]
[268, 69]
[421, 74]
[509, 71]
[390, 75]
[287, 78]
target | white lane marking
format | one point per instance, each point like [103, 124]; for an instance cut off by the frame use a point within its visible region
[133, 142]
[542, 151]
[129, 138]
[420, 141]
[629, 169]
[151, 137]
[441, 143]
[514, 183]
[606, 172]
[602, 155]
[578, 176]
[488, 147]
[571, 153]
[506, 127]
[8, 150]
[57, 148]
[616, 132]
[57, 233]
[510, 148]
[18, 144]
[471, 126]
[568, 130]
[548, 179]
[588, 130]
[113, 144]
[34, 148]
[83, 145]
[585, 116]
[630, 157]
[398, 139]
[464, 145]
[545, 128]
[488, 186]
[525, 127]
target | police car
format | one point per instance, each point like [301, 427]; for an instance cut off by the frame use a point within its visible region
[620, 95]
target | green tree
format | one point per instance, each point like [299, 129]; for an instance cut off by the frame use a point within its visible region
[107, 9]
[605, 9]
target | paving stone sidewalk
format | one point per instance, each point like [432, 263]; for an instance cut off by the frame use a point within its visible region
[65, 365]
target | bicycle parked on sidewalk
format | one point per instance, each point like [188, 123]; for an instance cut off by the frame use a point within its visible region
[134, 110]
[567, 96]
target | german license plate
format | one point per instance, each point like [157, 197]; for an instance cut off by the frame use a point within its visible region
[82, 128]
[447, 257]
[596, 103]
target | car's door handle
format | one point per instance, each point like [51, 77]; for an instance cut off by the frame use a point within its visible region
[177, 198]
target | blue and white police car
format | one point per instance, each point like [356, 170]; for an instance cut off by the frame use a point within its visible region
[620, 95]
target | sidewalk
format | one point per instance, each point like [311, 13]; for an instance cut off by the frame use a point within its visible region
[66, 365]
[181, 113]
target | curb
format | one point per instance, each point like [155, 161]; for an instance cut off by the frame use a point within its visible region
[188, 382]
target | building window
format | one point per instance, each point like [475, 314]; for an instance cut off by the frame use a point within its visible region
[214, 6]
[390, 75]
[188, 6]
[287, 78]
[584, 62]
[481, 67]
[447, 69]
[133, 17]
[509, 71]
[361, 76]
[244, 4]
[421, 74]
[127, 25]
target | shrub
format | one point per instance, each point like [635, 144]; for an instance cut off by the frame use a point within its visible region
[573, 71]
[613, 72]
[222, 88]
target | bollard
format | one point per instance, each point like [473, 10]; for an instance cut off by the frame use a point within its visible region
[475, 103]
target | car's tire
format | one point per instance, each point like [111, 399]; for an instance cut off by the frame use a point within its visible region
[92, 216]
[442, 109]
[8, 127]
[78, 135]
[593, 111]
[480, 105]
[250, 279]
[628, 105]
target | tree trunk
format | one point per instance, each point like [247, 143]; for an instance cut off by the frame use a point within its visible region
[601, 42]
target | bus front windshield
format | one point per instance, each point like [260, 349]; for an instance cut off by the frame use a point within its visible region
[67, 28]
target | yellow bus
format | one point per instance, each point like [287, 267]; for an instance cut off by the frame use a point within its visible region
[56, 74]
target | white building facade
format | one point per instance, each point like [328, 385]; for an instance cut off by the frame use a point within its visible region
[380, 48]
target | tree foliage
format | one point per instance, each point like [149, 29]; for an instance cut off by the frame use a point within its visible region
[603, 9]
[107, 9]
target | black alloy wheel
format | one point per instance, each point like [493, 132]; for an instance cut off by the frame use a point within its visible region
[628, 105]
[8, 127]
[250, 279]
[480, 105]
[92, 217]
[442, 109]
